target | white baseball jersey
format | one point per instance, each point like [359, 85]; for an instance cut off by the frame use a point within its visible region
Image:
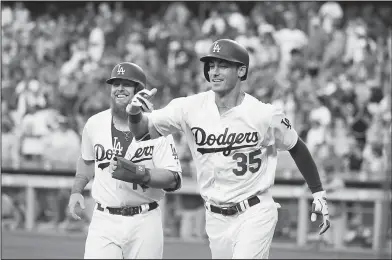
[97, 145]
[235, 153]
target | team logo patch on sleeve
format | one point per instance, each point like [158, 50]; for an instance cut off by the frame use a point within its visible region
[286, 122]
[174, 152]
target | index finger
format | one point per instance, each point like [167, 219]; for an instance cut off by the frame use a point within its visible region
[325, 227]
[75, 216]
[153, 92]
[148, 93]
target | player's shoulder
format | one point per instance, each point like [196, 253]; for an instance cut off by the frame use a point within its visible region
[197, 98]
[189, 103]
[98, 118]
[156, 142]
[260, 105]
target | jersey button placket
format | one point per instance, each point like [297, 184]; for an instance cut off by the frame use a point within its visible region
[216, 173]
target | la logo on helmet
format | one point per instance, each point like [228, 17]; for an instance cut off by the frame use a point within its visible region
[216, 48]
[120, 70]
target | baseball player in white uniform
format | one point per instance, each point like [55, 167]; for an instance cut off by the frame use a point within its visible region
[127, 220]
[234, 139]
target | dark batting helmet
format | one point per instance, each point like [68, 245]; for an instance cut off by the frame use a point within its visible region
[129, 71]
[229, 50]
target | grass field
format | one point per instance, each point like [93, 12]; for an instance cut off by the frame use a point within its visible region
[32, 245]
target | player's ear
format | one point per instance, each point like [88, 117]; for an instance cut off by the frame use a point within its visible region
[241, 71]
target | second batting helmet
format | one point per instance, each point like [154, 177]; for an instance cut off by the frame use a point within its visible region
[229, 50]
[128, 71]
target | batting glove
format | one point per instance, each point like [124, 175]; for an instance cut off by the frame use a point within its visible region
[141, 102]
[129, 172]
[320, 207]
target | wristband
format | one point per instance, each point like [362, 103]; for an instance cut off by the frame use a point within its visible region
[79, 183]
[136, 118]
[319, 194]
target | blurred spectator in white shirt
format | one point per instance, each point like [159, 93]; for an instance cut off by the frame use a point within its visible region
[289, 38]
[236, 19]
[61, 145]
[320, 118]
[357, 42]
[104, 10]
[21, 16]
[320, 114]
[177, 12]
[268, 54]
[90, 66]
[96, 41]
[318, 40]
[202, 44]
[6, 16]
[341, 138]
[135, 50]
[214, 24]
[373, 165]
[330, 13]
[31, 97]
[33, 128]
[79, 53]
[251, 42]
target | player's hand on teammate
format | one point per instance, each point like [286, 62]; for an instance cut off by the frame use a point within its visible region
[74, 200]
[125, 170]
[141, 102]
[320, 207]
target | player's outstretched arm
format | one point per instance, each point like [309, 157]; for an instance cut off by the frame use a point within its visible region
[84, 173]
[306, 165]
[160, 122]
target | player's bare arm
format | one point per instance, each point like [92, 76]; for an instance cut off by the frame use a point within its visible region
[125, 170]
[138, 121]
[84, 173]
[306, 165]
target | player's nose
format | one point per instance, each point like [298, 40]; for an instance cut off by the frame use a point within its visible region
[214, 70]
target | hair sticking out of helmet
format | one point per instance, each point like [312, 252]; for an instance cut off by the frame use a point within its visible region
[229, 50]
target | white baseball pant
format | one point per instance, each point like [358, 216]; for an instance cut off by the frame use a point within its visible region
[247, 235]
[125, 237]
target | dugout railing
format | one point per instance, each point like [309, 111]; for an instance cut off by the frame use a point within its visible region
[296, 192]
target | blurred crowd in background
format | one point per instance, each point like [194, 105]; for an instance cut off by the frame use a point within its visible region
[325, 63]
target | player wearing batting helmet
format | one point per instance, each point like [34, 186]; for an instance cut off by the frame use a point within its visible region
[130, 177]
[128, 71]
[234, 139]
[227, 50]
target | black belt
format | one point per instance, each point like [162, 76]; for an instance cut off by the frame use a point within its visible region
[232, 210]
[127, 211]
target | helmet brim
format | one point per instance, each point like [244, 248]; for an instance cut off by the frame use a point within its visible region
[110, 81]
[217, 56]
